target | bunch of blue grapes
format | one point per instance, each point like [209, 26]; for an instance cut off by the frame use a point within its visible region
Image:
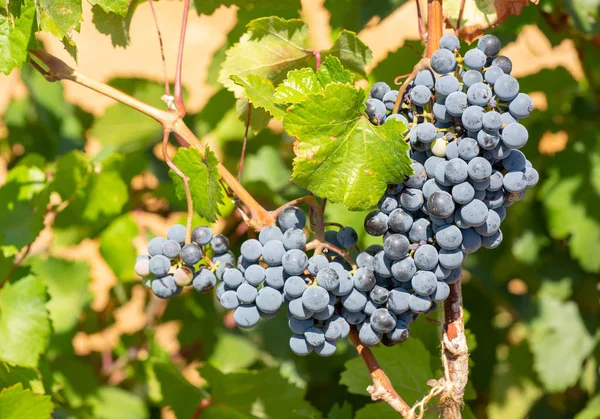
[171, 265]
[464, 136]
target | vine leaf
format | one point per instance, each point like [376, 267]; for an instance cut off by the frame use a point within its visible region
[114, 24]
[67, 298]
[351, 51]
[116, 246]
[17, 402]
[340, 155]
[271, 47]
[176, 390]
[479, 15]
[72, 174]
[59, 17]
[558, 337]
[204, 177]
[118, 7]
[24, 321]
[260, 92]
[16, 32]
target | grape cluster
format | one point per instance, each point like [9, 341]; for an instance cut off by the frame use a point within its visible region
[171, 264]
[464, 136]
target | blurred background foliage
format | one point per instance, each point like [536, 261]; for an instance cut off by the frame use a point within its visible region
[84, 189]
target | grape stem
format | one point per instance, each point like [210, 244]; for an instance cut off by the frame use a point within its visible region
[162, 50]
[423, 64]
[382, 388]
[54, 69]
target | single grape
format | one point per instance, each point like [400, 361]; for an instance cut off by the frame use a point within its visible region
[159, 265]
[291, 217]
[475, 59]
[456, 103]
[294, 261]
[327, 348]
[396, 246]
[388, 203]
[354, 301]
[479, 94]
[378, 90]
[420, 231]
[246, 293]
[443, 61]
[299, 345]
[514, 181]
[449, 237]
[419, 303]
[299, 326]
[506, 88]
[450, 259]
[201, 235]
[294, 286]
[403, 270]
[255, 275]
[411, 199]
[233, 278]
[376, 223]
[229, 300]
[375, 110]
[142, 265]
[492, 74]
[382, 320]
[454, 276]
[191, 254]
[383, 264]
[521, 106]
[425, 78]
[440, 112]
[268, 300]
[532, 176]
[440, 204]
[441, 293]
[155, 246]
[328, 278]
[315, 298]
[183, 276]
[424, 282]
[441, 272]
[165, 287]
[420, 95]
[314, 336]
[251, 250]
[273, 252]
[219, 243]
[246, 315]
[471, 240]
[493, 241]
[426, 257]
[224, 258]
[456, 171]
[471, 77]
[347, 237]
[491, 225]
[489, 45]
[446, 84]
[503, 63]
[463, 193]
[474, 213]
[316, 263]
[204, 281]
[449, 42]
[488, 140]
[274, 277]
[479, 169]
[399, 334]
[389, 99]
[270, 233]
[452, 150]
[177, 232]
[379, 294]
[367, 335]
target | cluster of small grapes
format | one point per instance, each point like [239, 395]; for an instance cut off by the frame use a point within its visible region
[464, 137]
[275, 270]
[171, 264]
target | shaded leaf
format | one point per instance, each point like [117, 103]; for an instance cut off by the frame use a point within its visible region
[406, 365]
[592, 410]
[233, 352]
[18, 403]
[340, 155]
[260, 91]
[119, 7]
[106, 197]
[116, 403]
[72, 174]
[114, 25]
[67, 283]
[479, 15]
[341, 412]
[203, 175]
[177, 392]
[24, 321]
[14, 374]
[59, 17]
[352, 52]
[116, 246]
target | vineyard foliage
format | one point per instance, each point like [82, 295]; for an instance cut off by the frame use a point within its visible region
[82, 194]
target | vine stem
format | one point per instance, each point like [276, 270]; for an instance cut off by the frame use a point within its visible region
[382, 388]
[162, 49]
[54, 69]
[178, 91]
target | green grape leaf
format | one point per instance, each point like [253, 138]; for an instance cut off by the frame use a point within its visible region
[18, 403]
[177, 391]
[116, 403]
[407, 366]
[116, 246]
[203, 174]
[24, 321]
[267, 167]
[514, 388]
[260, 91]
[592, 409]
[352, 52]
[106, 197]
[67, 283]
[233, 352]
[77, 379]
[113, 24]
[22, 207]
[72, 173]
[118, 7]
[59, 17]
[244, 392]
[14, 374]
[17, 23]
[560, 342]
[341, 412]
[340, 155]
[296, 87]
[270, 48]
[332, 71]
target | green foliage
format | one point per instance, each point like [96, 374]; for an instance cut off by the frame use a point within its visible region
[17, 403]
[75, 345]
